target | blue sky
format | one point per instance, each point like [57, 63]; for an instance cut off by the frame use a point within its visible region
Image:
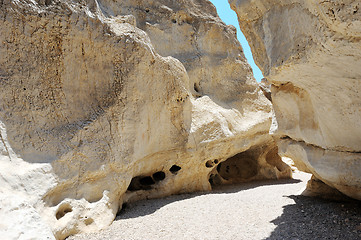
[229, 17]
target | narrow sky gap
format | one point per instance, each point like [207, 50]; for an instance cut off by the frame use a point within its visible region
[230, 18]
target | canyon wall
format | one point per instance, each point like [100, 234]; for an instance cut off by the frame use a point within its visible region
[107, 102]
[311, 53]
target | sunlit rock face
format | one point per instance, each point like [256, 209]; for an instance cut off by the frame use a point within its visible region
[311, 53]
[107, 102]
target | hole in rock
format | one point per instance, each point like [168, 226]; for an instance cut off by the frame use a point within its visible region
[239, 167]
[141, 183]
[215, 179]
[63, 209]
[174, 21]
[209, 164]
[216, 161]
[124, 206]
[274, 159]
[219, 168]
[174, 169]
[159, 176]
[146, 181]
[196, 87]
[211, 179]
[88, 221]
[147, 10]
[122, 209]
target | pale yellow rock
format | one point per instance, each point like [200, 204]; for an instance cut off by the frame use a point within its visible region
[317, 188]
[311, 53]
[107, 102]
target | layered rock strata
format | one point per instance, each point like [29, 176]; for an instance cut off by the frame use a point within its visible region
[310, 52]
[106, 102]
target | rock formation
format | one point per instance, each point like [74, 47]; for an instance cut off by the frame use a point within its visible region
[106, 102]
[310, 52]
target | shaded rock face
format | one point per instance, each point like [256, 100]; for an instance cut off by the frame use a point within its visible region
[106, 102]
[310, 52]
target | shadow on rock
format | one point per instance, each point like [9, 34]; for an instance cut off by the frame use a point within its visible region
[315, 218]
[233, 188]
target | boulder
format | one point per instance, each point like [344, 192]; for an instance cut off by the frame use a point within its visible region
[108, 102]
[310, 52]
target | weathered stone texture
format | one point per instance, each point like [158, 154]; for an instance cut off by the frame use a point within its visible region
[310, 52]
[106, 102]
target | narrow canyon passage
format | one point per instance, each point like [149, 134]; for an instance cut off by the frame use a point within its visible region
[105, 105]
[256, 210]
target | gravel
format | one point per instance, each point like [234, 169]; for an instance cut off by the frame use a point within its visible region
[258, 210]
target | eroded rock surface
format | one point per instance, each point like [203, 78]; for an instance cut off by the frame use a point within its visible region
[106, 102]
[310, 52]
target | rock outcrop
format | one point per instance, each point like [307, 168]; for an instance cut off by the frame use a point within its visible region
[311, 53]
[106, 102]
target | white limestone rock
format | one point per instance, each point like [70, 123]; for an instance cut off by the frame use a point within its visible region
[310, 52]
[93, 117]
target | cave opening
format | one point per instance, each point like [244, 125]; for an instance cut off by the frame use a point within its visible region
[141, 183]
[239, 168]
[145, 182]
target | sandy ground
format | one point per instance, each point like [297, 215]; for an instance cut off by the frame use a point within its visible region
[258, 210]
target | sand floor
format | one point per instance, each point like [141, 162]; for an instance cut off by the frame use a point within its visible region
[258, 210]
